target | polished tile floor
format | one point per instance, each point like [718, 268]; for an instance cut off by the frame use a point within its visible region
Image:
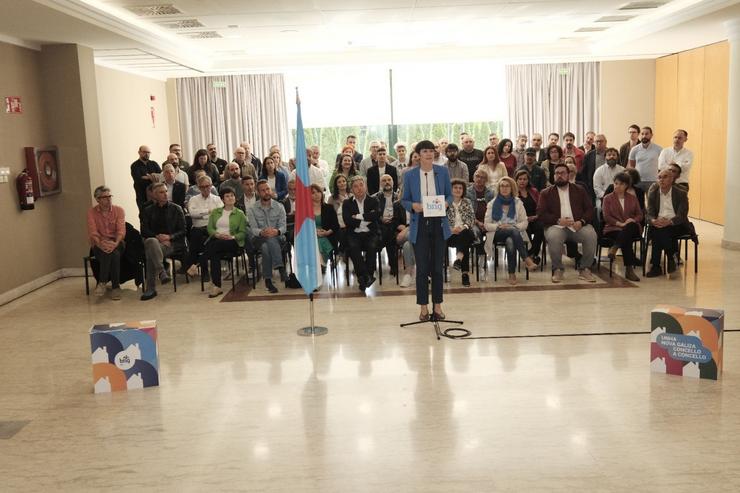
[246, 405]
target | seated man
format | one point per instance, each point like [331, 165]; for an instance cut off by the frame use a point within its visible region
[392, 219]
[249, 197]
[199, 208]
[233, 180]
[566, 211]
[266, 219]
[361, 214]
[163, 230]
[289, 204]
[194, 190]
[175, 190]
[667, 215]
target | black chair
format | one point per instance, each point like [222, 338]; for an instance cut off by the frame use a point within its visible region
[240, 254]
[179, 256]
[682, 239]
[606, 242]
[502, 244]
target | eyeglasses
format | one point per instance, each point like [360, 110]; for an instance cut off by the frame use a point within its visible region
[205, 187]
[105, 196]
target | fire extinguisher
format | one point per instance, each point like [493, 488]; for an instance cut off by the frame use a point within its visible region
[24, 185]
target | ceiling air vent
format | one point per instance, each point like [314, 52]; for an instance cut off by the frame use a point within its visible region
[590, 29]
[642, 5]
[202, 35]
[154, 10]
[615, 18]
[181, 24]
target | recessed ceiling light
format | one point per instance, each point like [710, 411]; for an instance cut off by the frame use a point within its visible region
[232, 26]
[615, 18]
[590, 29]
[642, 5]
[289, 31]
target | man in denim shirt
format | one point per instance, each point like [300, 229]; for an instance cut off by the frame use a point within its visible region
[267, 224]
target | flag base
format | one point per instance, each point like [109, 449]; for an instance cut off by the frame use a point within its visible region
[313, 331]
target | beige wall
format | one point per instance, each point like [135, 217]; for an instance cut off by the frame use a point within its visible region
[627, 97]
[28, 247]
[125, 124]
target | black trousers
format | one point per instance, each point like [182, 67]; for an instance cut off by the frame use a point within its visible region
[624, 240]
[110, 265]
[214, 250]
[462, 242]
[388, 241]
[429, 251]
[536, 232]
[664, 239]
[360, 243]
[197, 238]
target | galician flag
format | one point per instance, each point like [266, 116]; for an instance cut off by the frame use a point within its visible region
[307, 260]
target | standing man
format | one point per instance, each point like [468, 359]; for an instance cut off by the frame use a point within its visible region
[440, 153]
[378, 169]
[361, 213]
[402, 159]
[588, 143]
[624, 151]
[177, 150]
[520, 149]
[180, 175]
[251, 158]
[594, 159]
[644, 158]
[315, 159]
[356, 156]
[371, 160]
[570, 149]
[540, 152]
[680, 155]
[428, 233]
[456, 168]
[493, 140]
[268, 224]
[219, 163]
[245, 167]
[163, 230]
[469, 155]
[143, 172]
[234, 180]
[553, 139]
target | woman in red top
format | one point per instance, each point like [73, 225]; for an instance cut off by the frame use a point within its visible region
[622, 222]
[106, 229]
[504, 152]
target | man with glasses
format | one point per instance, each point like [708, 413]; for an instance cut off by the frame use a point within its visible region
[199, 208]
[668, 217]
[106, 229]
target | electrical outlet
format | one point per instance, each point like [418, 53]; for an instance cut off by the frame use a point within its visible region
[4, 175]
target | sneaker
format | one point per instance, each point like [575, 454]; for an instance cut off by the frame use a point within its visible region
[671, 264]
[214, 291]
[148, 295]
[192, 270]
[466, 279]
[585, 275]
[100, 289]
[270, 286]
[654, 271]
[457, 264]
[115, 294]
[406, 281]
[164, 277]
[557, 276]
[629, 274]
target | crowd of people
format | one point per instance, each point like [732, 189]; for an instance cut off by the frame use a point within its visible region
[517, 195]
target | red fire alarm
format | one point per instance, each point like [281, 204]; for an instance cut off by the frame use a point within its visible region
[13, 104]
[152, 98]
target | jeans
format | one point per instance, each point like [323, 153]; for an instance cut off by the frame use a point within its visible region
[271, 250]
[513, 243]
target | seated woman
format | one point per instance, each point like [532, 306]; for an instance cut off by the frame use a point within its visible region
[493, 166]
[633, 189]
[507, 218]
[277, 180]
[623, 222]
[227, 232]
[505, 148]
[327, 225]
[529, 197]
[461, 217]
[346, 168]
[340, 193]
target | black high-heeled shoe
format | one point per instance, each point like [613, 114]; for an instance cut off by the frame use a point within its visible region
[438, 315]
[424, 317]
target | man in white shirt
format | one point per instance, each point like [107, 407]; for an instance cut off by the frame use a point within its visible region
[440, 152]
[604, 174]
[361, 214]
[667, 215]
[250, 196]
[644, 158]
[679, 155]
[315, 175]
[316, 160]
[402, 160]
[180, 175]
[199, 209]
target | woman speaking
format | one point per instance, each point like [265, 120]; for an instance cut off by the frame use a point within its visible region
[426, 194]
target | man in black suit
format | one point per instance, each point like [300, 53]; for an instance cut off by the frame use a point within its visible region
[540, 152]
[392, 220]
[361, 213]
[356, 156]
[378, 169]
[143, 172]
[175, 190]
[219, 163]
[591, 162]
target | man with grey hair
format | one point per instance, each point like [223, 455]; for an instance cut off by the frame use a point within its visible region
[250, 157]
[233, 179]
[493, 139]
[175, 190]
[106, 230]
[372, 159]
[245, 167]
[520, 149]
[361, 214]
[440, 152]
[199, 209]
[163, 231]
[180, 175]
[314, 159]
[540, 152]
[392, 220]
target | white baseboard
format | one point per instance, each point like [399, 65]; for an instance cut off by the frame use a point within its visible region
[73, 272]
[24, 289]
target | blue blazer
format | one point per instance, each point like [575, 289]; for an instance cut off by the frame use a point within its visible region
[281, 184]
[412, 193]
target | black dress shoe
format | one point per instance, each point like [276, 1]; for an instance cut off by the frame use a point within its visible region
[148, 295]
[655, 271]
[369, 281]
[465, 279]
[361, 283]
[270, 286]
[457, 264]
[536, 259]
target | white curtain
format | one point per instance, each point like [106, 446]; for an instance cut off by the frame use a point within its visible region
[234, 109]
[557, 97]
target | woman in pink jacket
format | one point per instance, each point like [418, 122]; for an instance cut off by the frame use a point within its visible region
[623, 222]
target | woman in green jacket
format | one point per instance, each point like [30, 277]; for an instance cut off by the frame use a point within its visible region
[227, 232]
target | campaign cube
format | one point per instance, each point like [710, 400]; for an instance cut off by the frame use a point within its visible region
[124, 356]
[686, 341]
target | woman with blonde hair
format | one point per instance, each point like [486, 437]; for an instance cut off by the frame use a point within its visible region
[506, 219]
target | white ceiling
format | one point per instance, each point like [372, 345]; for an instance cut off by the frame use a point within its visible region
[269, 35]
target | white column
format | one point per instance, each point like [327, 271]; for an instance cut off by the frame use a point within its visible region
[731, 236]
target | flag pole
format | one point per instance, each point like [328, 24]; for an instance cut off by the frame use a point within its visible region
[313, 330]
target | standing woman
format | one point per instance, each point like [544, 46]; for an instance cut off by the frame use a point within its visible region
[493, 166]
[227, 230]
[507, 220]
[427, 234]
[276, 179]
[554, 157]
[529, 197]
[347, 168]
[507, 157]
[327, 225]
